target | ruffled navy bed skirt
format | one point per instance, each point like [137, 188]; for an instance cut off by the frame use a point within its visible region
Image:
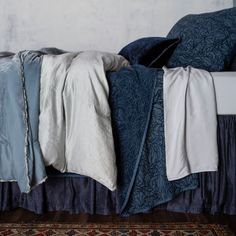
[76, 194]
[73, 194]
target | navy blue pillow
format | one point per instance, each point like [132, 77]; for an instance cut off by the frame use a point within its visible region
[150, 52]
[208, 41]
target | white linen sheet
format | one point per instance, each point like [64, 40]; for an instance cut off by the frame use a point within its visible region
[225, 87]
[75, 132]
[190, 119]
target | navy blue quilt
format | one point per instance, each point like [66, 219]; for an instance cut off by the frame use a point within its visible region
[136, 99]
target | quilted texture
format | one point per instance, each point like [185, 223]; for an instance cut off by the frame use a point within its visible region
[151, 51]
[208, 41]
[136, 99]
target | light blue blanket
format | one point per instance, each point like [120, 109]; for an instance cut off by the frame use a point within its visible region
[20, 155]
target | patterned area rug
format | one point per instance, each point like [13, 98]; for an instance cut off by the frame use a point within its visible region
[169, 229]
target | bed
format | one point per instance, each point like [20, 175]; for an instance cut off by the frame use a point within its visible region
[137, 114]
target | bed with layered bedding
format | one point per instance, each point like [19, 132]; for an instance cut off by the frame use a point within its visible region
[152, 127]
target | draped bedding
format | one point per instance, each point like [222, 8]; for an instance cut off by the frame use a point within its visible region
[216, 192]
[103, 121]
[136, 101]
[136, 98]
[75, 131]
[75, 84]
[190, 112]
[20, 154]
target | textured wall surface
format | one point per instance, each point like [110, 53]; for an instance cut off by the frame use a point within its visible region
[91, 24]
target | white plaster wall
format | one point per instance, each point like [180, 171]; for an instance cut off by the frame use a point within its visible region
[91, 24]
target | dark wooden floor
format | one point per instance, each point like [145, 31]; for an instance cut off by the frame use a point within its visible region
[20, 215]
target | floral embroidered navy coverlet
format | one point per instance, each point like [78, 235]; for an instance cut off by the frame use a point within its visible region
[136, 99]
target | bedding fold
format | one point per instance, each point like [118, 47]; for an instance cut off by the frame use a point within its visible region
[75, 131]
[190, 119]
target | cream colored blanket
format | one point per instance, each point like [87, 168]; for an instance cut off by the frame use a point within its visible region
[75, 132]
[190, 119]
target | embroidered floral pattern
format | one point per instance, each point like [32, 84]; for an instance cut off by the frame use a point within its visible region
[208, 41]
[137, 112]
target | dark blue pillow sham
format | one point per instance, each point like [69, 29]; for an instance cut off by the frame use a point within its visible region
[150, 51]
[208, 41]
